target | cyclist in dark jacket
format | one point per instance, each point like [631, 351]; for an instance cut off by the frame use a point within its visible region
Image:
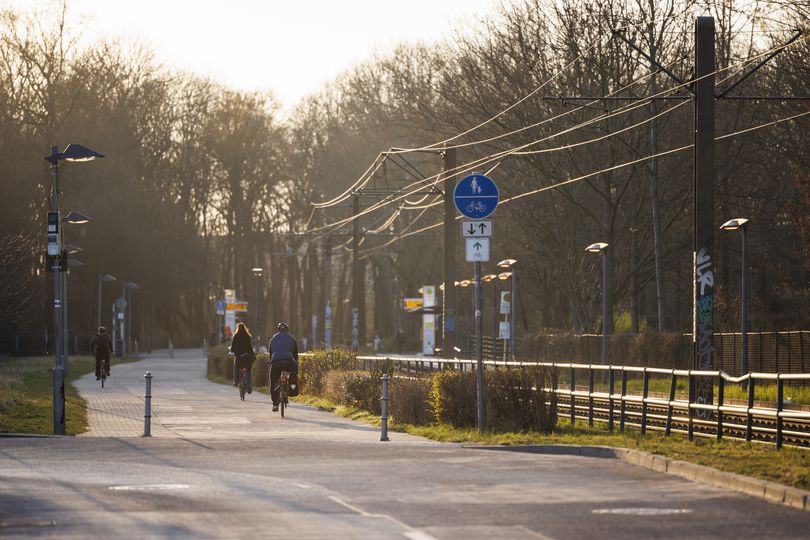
[243, 355]
[283, 351]
[101, 345]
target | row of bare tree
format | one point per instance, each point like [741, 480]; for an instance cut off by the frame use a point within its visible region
[201, 183]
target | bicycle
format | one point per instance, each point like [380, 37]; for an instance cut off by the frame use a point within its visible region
[476, 206]
[103, 376]
[283, 390]
[243, 383]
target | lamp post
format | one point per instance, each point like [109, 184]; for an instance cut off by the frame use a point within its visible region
[68, 249]
[128, 286]
[511, 265]
[56, 258]
[257, 272]
[733, 225]
[102, 278]
[600, 247]
[494, 279]
[503, 276]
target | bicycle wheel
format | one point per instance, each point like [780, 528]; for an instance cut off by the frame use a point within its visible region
[103, 378]
[282, 397]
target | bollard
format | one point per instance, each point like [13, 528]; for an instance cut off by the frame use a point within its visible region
[147, 414]
[384, 426]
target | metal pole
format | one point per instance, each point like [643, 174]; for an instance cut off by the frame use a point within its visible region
[513, 309]
[495, 319]
[56, 261]
[65, 338]
[479, 351]
[703, 279]
[256, 318]
[449, 261]
[384, 426]
[147, 413]
[358, 293]
[98, 323]
[605, 316]
[744, 301]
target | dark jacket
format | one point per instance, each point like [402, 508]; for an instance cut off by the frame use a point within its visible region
[241, 344]
[101, 345]
[283, 347]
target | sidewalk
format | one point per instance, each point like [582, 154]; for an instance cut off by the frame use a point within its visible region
[185, 404]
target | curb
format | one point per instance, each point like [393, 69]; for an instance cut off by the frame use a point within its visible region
[762, 489]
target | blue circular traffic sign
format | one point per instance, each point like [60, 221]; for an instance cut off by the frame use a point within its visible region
[476, 196]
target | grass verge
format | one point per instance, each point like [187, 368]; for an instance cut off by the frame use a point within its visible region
[26, 394]
[789, 466]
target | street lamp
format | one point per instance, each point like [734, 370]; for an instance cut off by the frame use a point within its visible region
[733, 225]
[510, 264]
[494, 279]
[256, 322]
[601, 247]
[101, 278]
[129, 285]
[56, 258]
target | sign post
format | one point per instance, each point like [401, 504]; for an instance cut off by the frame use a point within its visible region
[476, 196]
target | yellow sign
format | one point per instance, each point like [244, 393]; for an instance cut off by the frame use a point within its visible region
[412, 303]
[237, 306]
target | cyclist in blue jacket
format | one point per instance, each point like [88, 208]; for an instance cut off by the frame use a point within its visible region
[283, 351]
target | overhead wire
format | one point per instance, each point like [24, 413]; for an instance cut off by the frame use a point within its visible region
[470, 166]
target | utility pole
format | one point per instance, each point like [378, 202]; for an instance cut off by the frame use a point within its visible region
[449, 267]
[358, 277]
[703, 326]
[327, 293]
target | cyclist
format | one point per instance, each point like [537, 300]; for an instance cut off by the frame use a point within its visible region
[101, 345]
[243, 355]
[283, 353]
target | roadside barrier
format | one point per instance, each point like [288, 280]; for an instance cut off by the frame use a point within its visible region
[384, 423]
[672, 412]
[147, 414]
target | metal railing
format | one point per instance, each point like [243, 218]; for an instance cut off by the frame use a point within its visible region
[609, 399]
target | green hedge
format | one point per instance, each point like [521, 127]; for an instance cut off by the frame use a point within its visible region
[220, 362]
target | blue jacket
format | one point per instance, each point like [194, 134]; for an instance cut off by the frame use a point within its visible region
[283, 347]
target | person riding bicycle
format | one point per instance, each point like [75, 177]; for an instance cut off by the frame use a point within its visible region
[243, 355]
[283, 351]
[101, 345]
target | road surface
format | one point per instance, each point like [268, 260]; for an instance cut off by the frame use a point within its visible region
[217, 467]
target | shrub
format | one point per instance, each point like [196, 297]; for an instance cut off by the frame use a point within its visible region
[332, 386]
[452, 398]
[409, 400]
[315, 365]
[516, 400]
[360, 390]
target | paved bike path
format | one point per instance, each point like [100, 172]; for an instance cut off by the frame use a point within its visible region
[185, 404]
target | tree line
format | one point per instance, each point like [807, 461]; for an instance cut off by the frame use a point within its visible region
[201, 183]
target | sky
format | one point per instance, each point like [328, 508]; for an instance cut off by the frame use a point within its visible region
[291, 47]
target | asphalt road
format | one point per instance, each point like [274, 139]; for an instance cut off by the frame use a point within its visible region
[221, 468]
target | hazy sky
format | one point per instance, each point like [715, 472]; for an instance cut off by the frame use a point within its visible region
[288, 46]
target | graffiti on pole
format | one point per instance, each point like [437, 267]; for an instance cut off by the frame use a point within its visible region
[704, 326]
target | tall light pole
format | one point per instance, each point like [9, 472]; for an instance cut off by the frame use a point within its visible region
[130, 286]
[257, 272]
[68, 249]
[511, 265]
[494, 279]
[600, 248]
[503, 276]
[56, 260]
[734, 225]
[102, 278]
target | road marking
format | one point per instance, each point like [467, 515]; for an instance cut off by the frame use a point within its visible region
[149, 487]
[642, 511]
[413, 534]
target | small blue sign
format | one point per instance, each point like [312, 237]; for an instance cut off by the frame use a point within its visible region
[476, 196]
[220, 307]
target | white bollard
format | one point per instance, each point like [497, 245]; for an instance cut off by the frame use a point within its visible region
[384, 426]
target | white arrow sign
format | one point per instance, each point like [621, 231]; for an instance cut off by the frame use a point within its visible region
[476, 229]
[477, 249]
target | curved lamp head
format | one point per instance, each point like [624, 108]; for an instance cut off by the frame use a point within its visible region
[77, 218]
[131, 285]
[734, 224]
[507, 263]
[504, 275]
[598, 247]
[73, 152]
[489, 277]
[257, 271]
[106, 277]
[70, 249]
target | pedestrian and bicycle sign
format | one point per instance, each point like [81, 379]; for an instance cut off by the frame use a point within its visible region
[473, 229]
[477, 249]
[476, 196]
